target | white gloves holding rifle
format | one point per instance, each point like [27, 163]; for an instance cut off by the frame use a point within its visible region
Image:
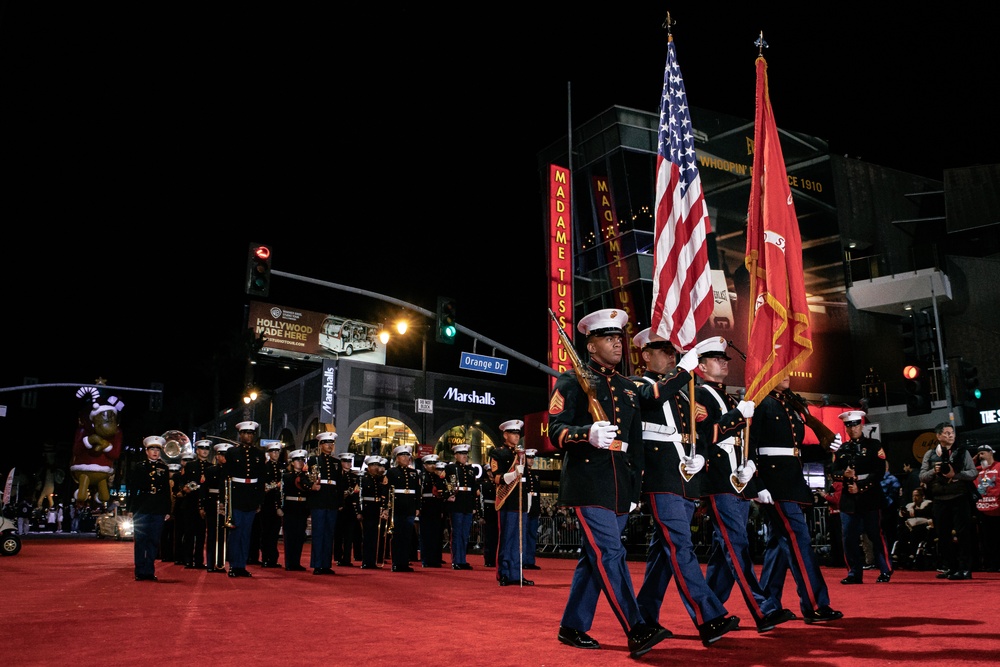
[745, 472]
[746, 409]
[837, 443]
[602, 434]
[764, 496]
[693, 464]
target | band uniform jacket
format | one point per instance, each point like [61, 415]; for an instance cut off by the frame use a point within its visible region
[273, 472]
[245, 468]
[352, 494]
[374, 495]
[501, 462]
[867, 458]
[776, 425]
[465, 489]
[149, 489]
[666, 426]
[211, 492]
[433, 492]
[196, 471]
[295, 489]
[488, 497]
[328, 471]
[722, 432]
[405, 485]
[608, 478]
[533, 491]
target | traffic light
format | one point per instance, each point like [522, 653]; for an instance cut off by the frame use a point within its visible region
[156, 397]
[924, 335]
[258, 270]
[916, 382]
[446, 327]
[968, 384]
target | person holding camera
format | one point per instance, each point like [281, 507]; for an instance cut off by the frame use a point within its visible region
[860, 465]
[948, 472]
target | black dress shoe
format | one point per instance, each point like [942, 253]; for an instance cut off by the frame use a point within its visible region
[822, 615]
[643, 637]
[232, 573]
[365, 566]
[191, 566]
[345, 563]
[712, 631]
[323, 570]
[464, 566]
[883, 578]
[775, 618]
[456, 566]
[402, 568]
[576, 639]
[532, 567]
[960, 575]
[243, 572]
[210, 569]
[851, 579]
[295, 568]
[943, 575]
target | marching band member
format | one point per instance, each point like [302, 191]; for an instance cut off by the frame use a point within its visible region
[374, 503]
[347, 517]
[488, 518]
[149, 498]
[270, 507]
[533, 511]
[213, 497]
[324, 500]
[461, 504]
[405, 486]
[295, 484]
[245, 469]
[433, 490]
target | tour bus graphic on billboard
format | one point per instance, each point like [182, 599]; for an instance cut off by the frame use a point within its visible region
[309, 336]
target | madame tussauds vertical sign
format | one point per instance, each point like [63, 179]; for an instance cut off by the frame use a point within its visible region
[560, 265]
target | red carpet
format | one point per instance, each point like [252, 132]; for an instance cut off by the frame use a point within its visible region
[74, 600]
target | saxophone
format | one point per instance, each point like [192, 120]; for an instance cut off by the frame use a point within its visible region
[314, 474]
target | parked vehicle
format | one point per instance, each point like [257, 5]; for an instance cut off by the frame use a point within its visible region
[116, 524]
[10, 541]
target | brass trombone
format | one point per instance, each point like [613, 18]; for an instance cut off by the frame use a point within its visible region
[385, 529]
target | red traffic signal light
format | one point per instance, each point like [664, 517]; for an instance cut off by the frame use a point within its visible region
[918, 390]
[912, 372]
[258, 282]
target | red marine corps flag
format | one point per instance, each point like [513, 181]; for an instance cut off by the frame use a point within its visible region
[780, 339]
[682, 279]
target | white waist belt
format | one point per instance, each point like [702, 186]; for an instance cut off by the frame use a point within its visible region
[660, 437]
[213, 490]
[463, 488]
[429, 495]
[243, 480]
[294, 498]
[490, 502]
[778, 451]
[372, 498]
[328, 481]
[404, 491]
[864, 476]
[651, 427]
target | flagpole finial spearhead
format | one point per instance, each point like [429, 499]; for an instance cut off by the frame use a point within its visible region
[760, 44]
[668, 23]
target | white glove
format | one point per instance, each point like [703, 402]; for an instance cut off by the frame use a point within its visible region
[602, 434]
[509, 477]
[746, 471]
[689, 361]
[837, 443]
[746, 409]
[764, 496]
[693, 464]
[520, 469]
[632, 506]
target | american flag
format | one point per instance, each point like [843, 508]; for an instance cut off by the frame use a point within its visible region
[682, 281]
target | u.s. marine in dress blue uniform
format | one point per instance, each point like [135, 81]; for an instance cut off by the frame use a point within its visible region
[776, 445]
[729, 561]
[325, 498]
[600, 481]
[671, 493]
[245, 469]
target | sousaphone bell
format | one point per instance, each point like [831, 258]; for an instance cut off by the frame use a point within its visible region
[176, 441]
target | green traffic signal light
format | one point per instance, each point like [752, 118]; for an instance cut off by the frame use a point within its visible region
[447, 328]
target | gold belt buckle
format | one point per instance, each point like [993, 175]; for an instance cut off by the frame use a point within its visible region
[795, 450]
[616, 446]
[685, 438]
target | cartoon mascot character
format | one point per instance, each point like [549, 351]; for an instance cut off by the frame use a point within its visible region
[98, 443]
